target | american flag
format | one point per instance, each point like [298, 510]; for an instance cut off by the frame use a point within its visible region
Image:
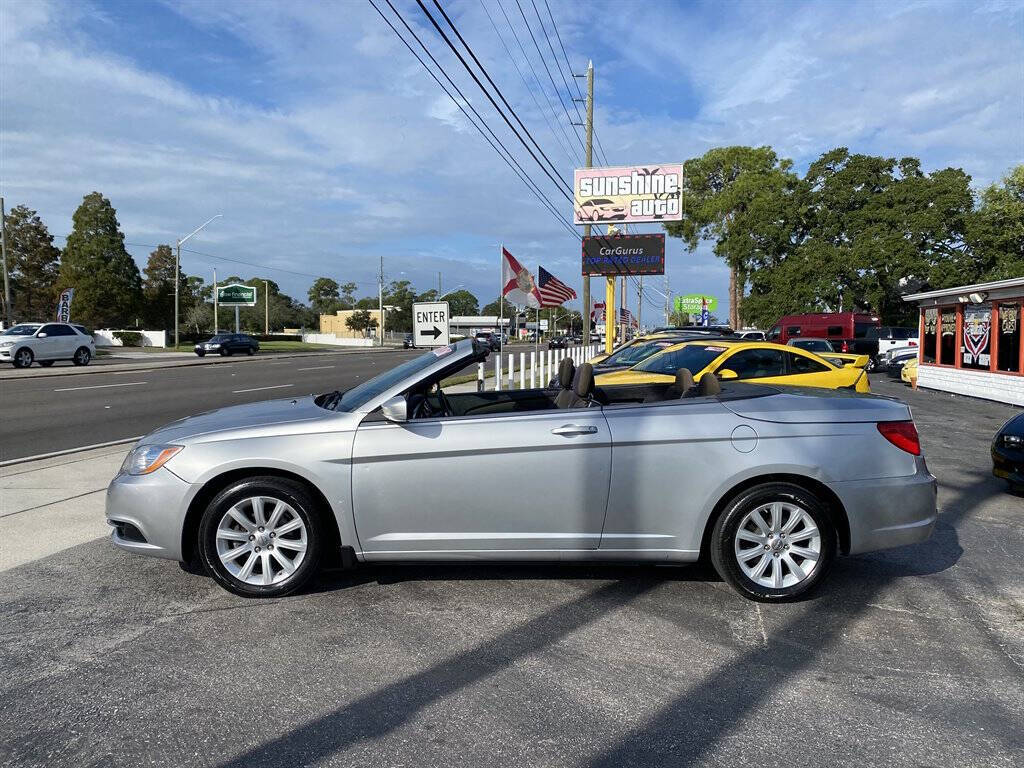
[553, 292]
[626, 317]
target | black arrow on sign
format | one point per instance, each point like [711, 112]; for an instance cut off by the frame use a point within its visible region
[435, 332]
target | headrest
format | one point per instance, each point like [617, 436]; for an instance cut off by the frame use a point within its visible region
[584, 384]
[709, 385]
[684, 380]
[566, 371]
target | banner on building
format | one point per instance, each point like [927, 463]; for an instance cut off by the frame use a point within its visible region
[624, 255]
[64, 305]
[630, 194]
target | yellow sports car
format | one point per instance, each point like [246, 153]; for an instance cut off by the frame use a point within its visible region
[908, 373]
[756, 361]
[632, 352]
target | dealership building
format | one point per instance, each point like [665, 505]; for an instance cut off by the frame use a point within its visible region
[971, 341]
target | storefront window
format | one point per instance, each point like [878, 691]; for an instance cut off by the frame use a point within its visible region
[931, 326]
[977, 342]
[1009, 338]
[947, 344]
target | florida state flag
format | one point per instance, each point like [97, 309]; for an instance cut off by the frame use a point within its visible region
[518, 285]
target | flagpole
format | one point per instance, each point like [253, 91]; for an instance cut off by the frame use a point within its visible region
[501, 300]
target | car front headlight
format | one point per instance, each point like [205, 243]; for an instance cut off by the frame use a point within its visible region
[213, 346]
[1013, 441]
[7, 343]
[148, 458]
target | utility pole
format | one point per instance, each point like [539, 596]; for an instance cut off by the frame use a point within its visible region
[3, 254]
[216, 319]
[640, 305]
[586, 227]
[380, 298]
[666, 299]
[266, 309]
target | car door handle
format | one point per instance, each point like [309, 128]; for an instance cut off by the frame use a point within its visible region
[573, 429]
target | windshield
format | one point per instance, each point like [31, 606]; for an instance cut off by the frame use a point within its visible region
[814, 345]
[360, 394]
[21, 330]
[634, 353]
[695, 357]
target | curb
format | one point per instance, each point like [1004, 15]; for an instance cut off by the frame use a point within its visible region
[183, 363]
[67, 451]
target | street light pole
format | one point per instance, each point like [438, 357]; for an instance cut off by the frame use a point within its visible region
[177, 273]
[266, 309]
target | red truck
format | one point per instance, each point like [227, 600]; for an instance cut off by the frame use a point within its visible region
[848, 331]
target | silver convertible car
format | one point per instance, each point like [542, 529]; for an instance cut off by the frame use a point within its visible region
[770, 483]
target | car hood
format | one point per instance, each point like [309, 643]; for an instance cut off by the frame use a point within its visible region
[250, 420]
[1014, 426]
[628, 376]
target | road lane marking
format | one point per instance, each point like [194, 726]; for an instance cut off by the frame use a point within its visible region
[260, 389]
[318, 368]
[101, 386]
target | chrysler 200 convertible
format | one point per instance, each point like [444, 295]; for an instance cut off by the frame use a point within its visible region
[771, 484]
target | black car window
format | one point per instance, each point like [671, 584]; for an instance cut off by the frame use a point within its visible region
[54, 330]
[793, 330]
[834, 330]
[860, 329]
[696, 358]
[801, 364]
[904, 333]
[756, 363]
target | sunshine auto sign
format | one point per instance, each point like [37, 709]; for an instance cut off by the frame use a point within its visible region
[629, 194]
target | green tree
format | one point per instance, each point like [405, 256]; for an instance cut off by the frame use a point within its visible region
[996, 230]
[745, 199]
[33, 264]
[107, 283]
[324, 296]
[361, 321]
[494, 308]
[348, 298]
[462, 302]
[158, 288]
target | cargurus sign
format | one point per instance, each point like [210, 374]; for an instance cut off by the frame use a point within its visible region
[628, 194]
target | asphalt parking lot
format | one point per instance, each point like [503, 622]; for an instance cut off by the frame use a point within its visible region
[908, 657]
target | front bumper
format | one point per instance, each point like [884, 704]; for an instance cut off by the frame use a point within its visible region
[1008, 464]
[154, 506]
[5, 354]
[889, 512]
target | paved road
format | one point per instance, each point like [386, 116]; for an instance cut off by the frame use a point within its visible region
[52, 413]
[912, 657]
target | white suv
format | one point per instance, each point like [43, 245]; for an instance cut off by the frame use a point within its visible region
[46, 343]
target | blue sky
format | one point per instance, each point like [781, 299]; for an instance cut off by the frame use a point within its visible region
[326, 146]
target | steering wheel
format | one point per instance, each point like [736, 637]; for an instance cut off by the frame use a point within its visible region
[442, 399]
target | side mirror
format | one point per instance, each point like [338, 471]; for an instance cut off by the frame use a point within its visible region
[41, 335]
[726, 373]
[396, 409]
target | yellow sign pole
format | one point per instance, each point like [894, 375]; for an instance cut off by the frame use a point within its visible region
[609, 314]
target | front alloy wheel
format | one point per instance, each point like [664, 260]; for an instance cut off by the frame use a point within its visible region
[82, 356]
[773, 542]
[261, 537]
[23, 358]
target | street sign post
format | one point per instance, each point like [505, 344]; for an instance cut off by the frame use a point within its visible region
[431, 324]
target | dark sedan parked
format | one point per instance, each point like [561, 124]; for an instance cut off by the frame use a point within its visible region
[1008, 452]
[227, 344]
[558, 342]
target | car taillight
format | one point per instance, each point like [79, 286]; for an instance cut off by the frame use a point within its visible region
[912, 344]
[846, 347]
[902, 434]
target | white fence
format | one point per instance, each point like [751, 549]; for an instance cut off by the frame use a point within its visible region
[330, 338]
[532, 370]
[104, 337]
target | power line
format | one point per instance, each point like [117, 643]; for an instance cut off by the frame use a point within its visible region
[558, 64]
[562, 186]
[536, 79]
[529, 90]
[548, 70]
[510, 159]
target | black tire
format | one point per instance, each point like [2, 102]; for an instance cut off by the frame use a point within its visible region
[251, 351]
[723, 541]
[82, 356]
[23, 358]
[200, 353]
[297, 497]
[46, 363]
[224, 351]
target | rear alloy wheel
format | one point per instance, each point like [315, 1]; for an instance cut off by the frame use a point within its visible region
[773, 542]
[261, 537]
[23, 358]
[82, 356]
[251, 351]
